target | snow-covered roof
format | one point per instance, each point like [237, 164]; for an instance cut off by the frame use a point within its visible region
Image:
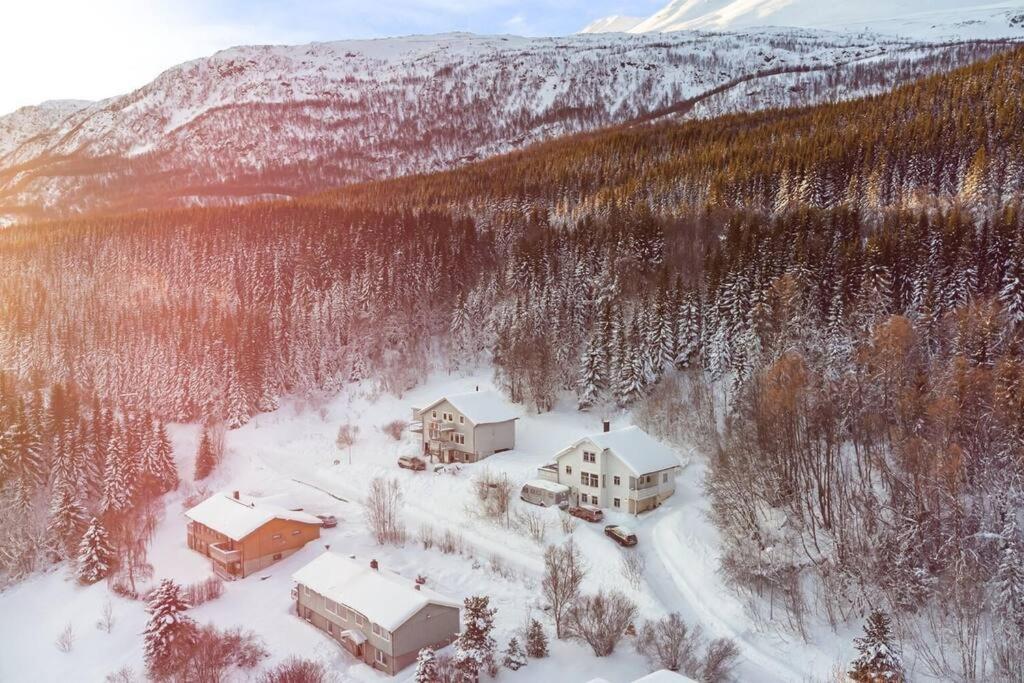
[664, 676]
[546, 485]
[236, 519]
[382, 596]
[480, 407]
[637, 449]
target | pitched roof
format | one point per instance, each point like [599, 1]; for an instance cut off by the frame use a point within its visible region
[634, 447]
[664, 676]
[236, 519]
[382, 596]
[481, 407]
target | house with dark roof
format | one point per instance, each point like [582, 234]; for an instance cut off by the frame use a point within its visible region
[623, 469]
[376, 615]
[466, 427]
[244, 536]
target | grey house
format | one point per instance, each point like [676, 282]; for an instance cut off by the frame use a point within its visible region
[466, 427]
[378, 616]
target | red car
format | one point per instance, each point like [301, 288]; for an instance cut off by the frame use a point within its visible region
[411, 462]
[588, 513]
[620, 535]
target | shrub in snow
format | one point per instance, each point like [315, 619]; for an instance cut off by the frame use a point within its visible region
[66, 639]
[214, 653]
[719, 661]
[426, 666]
[515, 658]
[204, 591]
[95, 554]
[536, 640]
[878, 658]
[668, 643]
[296, 670]
[394, 429]
[600, 620]
[474, 648]
[169, 634]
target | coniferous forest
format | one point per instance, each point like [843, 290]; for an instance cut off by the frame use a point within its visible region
[829, 301]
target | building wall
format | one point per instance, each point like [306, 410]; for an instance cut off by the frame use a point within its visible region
[493, 437]
[434, 626]
[462, 426]
[274, 541]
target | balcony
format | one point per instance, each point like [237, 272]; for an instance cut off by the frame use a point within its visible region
[648, 491]
[219, 552]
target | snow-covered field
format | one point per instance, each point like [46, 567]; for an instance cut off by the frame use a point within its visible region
[291, 456]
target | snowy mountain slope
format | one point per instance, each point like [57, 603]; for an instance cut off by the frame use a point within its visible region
[923, 19]
[613, 24]
[27, 122]
[277, 121]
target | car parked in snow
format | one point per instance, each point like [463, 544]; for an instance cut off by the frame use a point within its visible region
[621, 535]
[588, 513]
[411, 462]
[328, 521]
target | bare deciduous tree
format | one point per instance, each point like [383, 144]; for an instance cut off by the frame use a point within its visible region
[383, 511]
[494, 493]
[106, 620]
[564, 570]
[668, 643]
[633, 566]
[66, 640]
[600, 620]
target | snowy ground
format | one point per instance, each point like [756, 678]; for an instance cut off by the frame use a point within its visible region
[291, 455]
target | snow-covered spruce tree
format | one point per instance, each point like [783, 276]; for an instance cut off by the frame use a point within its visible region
[878, 658]
[118, 475]
[206, 460]
[515, 658]
[536, 640]
[169, 633]
[426, 666]
[95, 554]
[238, 409]
[1009, 580]
[67, 522]
[474, 648]
[591, 377]
[157, 472]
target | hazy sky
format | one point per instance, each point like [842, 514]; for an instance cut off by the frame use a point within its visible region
[91, 49]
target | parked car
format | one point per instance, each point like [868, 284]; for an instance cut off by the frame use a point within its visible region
[620, 535]
[411, 462]
[545, 493]
[328, 521]
[588, 513]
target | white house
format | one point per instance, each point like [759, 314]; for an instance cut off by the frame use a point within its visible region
[625, 469]
[467, 427]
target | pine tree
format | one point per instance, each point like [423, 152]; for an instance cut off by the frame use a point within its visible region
[238, 409]
[536, 640]
[95, 554]
[591, 378]
[1009, 580]
[205, 458]
[118, 487]
[1011, 291]
[157, 472]
[474, 648]
[21, 456]
[168, 633]
[67, 522]
[515, 658]
[878, 659]
[426, 666]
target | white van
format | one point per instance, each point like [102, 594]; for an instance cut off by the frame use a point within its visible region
[545, 493]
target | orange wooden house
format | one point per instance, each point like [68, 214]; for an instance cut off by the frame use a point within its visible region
[243, 536]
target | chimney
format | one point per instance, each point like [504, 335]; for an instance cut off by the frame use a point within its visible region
[607, 424]
[234, 494]
[478, 387]
[373, 564]
[416, 586]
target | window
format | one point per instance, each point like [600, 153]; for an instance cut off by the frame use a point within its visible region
[308, 591]
[433, 414]
[593, 499]
[277, 537]
[296, 532]
[332, 607]
[330, 627]
[277, 556]
[589, 457]
[360, 619]
[458, 438]
[462, 420]
[381, 658]
[617, 502]
[382, 633]
[588, 479]
[664, 478]
[617, 480]
[447, 417]
[568, 469]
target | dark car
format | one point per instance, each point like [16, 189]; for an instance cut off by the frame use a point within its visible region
[328, 521]
[587, 513]
[620, 535]
[411, 462]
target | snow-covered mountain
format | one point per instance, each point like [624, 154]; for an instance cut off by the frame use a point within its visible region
[923, 19]
[278, 121]
[613, 24]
